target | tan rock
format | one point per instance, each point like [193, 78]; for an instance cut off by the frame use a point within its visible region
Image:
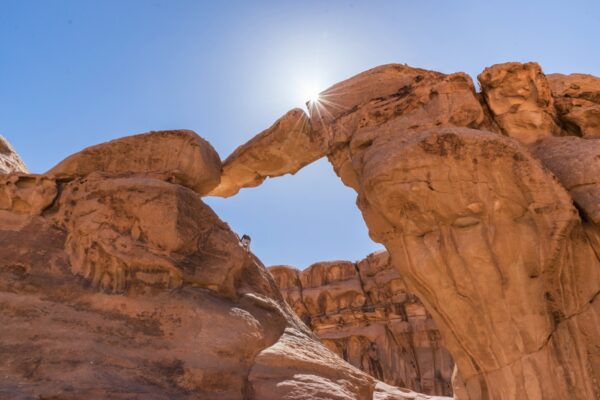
[577, 99]
[9, 159]
[126, 232]
[297, 367]
[180, 157]
[480, 232]
[576, 164]
[282, 149]
[485, 235]
[130, 287]
[364, 313]
[520, 100]
[26, 194]
[392, 99]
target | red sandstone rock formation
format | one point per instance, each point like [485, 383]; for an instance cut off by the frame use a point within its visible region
[179, 157]
[9, 159]
[267, 154]
[577, 100]
[118, 282]
[363, 312]
[479, 228]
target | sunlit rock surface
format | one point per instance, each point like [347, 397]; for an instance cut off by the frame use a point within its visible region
[520, 100]
[363, 312]
[181, 157]
[9, 159]
[118, 283]
[481, 230]
[282, 149]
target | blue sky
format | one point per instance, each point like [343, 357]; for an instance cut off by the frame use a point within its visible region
[76, 73]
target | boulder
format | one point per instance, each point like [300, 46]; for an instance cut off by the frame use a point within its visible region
[180, 157]
[577, 100]
[519, 97]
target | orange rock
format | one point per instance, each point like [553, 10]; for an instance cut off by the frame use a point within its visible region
[282, 149]
[119, 285]
[520, 100]
[392, 99]
[577, 99]
[483, 233]
[364, 313]
[9, 159]
[576, 164]
[180, 157]
[26, 194]
[480, 232]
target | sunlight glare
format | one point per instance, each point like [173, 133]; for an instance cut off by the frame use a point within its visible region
[310, 93]
[313, 96]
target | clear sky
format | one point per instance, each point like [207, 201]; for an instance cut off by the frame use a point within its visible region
[76, 73]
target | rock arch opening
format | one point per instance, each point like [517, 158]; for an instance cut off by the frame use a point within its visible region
[459, 187]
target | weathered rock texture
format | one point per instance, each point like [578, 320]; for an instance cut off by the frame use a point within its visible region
[520, 100]
[479, 228]
[363, 312]
[284, 148]
[576, 164]
[577, 99]
[9, 159]
[180, 157]
[117, 285]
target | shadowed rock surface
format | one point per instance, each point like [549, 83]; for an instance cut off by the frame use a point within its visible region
[577, 100]
[9, 159]
[576, 164]
[479, 228]
[117, 285]
[364, 313]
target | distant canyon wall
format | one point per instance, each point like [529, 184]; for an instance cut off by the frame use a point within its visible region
[364, 313]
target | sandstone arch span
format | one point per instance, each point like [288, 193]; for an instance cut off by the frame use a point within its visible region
[485, 201]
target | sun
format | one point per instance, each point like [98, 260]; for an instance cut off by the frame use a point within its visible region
[310, 92]
[313, 96]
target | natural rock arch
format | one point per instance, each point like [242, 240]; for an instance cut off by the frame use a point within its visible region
[483, 232]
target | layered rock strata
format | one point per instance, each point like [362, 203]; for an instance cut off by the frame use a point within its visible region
[120, 283]
[363, 312]
[478, 225]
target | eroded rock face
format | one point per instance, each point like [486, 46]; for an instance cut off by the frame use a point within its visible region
[480, 230]
[520, 99]
[577, 99]
[576, 164]
[282, 149]
[480, 209]
[181, 157]
[364, 313]
[9, 159]
[119, 285]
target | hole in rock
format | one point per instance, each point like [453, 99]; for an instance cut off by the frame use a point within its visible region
[299, 219]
